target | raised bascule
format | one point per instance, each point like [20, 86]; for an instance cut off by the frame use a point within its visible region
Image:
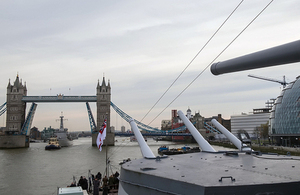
[18, 126]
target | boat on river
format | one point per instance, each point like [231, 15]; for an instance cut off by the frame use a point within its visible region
[133, 139]
[63, 137]
[164, 150]
[53, 144]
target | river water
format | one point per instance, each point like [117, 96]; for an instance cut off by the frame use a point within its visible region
[37, 171]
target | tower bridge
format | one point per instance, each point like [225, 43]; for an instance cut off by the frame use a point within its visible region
[18, 127]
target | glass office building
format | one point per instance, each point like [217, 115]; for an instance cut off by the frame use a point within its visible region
[285, 115]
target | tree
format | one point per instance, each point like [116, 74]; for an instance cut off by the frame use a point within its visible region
[265, 130]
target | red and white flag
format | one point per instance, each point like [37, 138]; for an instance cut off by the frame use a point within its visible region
[101, 135]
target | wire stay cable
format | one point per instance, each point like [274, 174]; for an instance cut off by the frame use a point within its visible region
[213, 60]
[192, 60]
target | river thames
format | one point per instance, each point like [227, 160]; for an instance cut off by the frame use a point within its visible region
[37, 171]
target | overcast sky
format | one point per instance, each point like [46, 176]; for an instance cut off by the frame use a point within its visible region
[141, 47]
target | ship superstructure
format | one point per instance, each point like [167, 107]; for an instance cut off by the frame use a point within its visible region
[62, 134]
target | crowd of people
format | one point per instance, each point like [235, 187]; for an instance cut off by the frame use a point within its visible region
[83, 182]
[97, 183]
[106, 184]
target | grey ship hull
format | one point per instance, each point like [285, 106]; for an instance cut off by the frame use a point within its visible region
[65, 142]
[212, 173]
[63, 139]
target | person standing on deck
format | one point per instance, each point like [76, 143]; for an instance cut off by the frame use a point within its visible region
[105, 190]
[105, 180]
[111, 182]
[84, 183]
[96, 187]
[80, 182]
[99, 176]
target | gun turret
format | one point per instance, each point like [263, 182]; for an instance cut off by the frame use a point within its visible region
[282, 54]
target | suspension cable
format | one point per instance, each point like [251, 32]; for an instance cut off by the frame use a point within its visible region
[139, 124]
[213, 60]
[192, 60]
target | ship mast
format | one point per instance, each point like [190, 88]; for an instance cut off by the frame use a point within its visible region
[61, 126]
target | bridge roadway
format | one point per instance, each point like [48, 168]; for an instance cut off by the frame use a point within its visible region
[59, 98]
[153, 134]
[63, 98]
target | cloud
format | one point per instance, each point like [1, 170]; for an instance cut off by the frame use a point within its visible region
[141, 46]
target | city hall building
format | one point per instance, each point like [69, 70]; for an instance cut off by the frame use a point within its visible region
[285, 115]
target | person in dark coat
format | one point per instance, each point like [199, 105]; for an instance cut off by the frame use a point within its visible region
[105, 180]
[84, 184]
[105, 190]
[96, 186]
[111, 181]
[99, 176]
[116, 174]
[116, 180]
[73, 184]
[80, 181]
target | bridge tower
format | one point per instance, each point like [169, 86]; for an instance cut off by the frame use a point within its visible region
[103, 111]
[15, 114]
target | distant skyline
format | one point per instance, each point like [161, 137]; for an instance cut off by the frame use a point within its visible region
[65, 47]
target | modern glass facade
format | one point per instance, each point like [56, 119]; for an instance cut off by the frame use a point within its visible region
[285, 114]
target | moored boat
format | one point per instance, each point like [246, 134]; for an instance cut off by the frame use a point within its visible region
[133, 139]
[163, 150]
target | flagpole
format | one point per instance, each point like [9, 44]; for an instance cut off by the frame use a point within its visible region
[106, 151]
[100, 141]
[106, 160]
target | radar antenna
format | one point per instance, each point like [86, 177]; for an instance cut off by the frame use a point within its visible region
[283, 82]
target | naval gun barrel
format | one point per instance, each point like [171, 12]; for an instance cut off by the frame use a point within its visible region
[146, 151]
[238, 143]
[282, 54]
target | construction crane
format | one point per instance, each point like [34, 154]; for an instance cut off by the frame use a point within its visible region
[283, 82]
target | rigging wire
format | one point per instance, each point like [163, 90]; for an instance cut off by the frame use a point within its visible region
[117, 149]
[213, 60]
[192, 60]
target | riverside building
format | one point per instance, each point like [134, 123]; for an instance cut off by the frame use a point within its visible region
[250, 122]
[285, 116]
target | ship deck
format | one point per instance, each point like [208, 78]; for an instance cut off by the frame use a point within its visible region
[212, 173]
